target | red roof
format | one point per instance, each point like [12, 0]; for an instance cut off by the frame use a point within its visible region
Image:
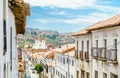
[36, 38]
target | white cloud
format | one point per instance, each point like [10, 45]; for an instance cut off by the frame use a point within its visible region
[104, 8]
[105, 11]
[41, 20]
[59, 13]
[89, 19]
[74, 4]
[61, 3]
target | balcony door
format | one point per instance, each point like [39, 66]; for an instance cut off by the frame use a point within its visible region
[82, 74]
[96, 74]
[113, 75]
[87, 75]
[77, 72]
[104, 75]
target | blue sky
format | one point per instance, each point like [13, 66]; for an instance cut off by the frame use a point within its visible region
[69, 15]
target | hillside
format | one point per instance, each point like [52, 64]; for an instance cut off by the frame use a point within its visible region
[52, 37]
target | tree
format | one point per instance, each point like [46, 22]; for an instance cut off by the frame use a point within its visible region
[39, 69]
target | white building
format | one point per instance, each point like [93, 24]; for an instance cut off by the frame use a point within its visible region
[40, 44]
[104, 37]
[83, 52]
[106, 47]
[65, 62]
[9, 27]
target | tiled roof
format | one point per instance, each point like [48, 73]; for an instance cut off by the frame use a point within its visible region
[51, 54]
[111, 22]
[81, 32]
[21, 66]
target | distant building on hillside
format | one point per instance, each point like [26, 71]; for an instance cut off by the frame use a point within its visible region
[40, 44]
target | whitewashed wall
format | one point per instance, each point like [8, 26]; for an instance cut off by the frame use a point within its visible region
[1, 39]
[10, 22]
[63, 68]
[82, 64]
[102, 66]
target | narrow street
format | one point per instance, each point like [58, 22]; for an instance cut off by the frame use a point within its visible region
[29, 73]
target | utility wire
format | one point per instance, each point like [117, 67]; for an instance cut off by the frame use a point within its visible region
[112, 46]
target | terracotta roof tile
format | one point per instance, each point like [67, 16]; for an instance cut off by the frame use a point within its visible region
[111, 22]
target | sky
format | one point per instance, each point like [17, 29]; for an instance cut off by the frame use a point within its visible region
[69, 15]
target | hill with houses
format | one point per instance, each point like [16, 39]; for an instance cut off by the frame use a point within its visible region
[52, 37]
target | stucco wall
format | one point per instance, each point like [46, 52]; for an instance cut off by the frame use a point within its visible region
[103, 66]
[6, 58]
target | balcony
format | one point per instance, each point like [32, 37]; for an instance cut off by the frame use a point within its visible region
[95, 52]
[86, 56]
[81, 55]
[102, 54]
[111, 55]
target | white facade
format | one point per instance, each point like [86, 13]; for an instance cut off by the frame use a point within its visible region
[8, 63]
[110, 66]
[40, 44]
[103, 48]
[65, 66]
[83, 64]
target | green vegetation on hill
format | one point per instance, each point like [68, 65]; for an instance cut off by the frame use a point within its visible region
[52, 37]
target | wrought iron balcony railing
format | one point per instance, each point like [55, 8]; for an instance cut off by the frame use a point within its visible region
[111, 55]
[86, 56]
[81, 55]
[102, 53]
[95, 52]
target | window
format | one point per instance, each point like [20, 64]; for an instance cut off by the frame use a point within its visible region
[63, 60]
[72, 62]
[67, 60]
[56, 72]
[11, 48]
[71, 76]
[61, 75]
[113, 75]
[97, 44]
[77, 72]
[82, 46]
[87, 75]
[105, 44]
[96, 74]
[104, 75]
[77, 48]
[88, 46]
[82, 74]
[7, 69]
[115, 43]
[66, 74]
[53, 70]
[4, 28]
[58, 58]
[4, 70]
